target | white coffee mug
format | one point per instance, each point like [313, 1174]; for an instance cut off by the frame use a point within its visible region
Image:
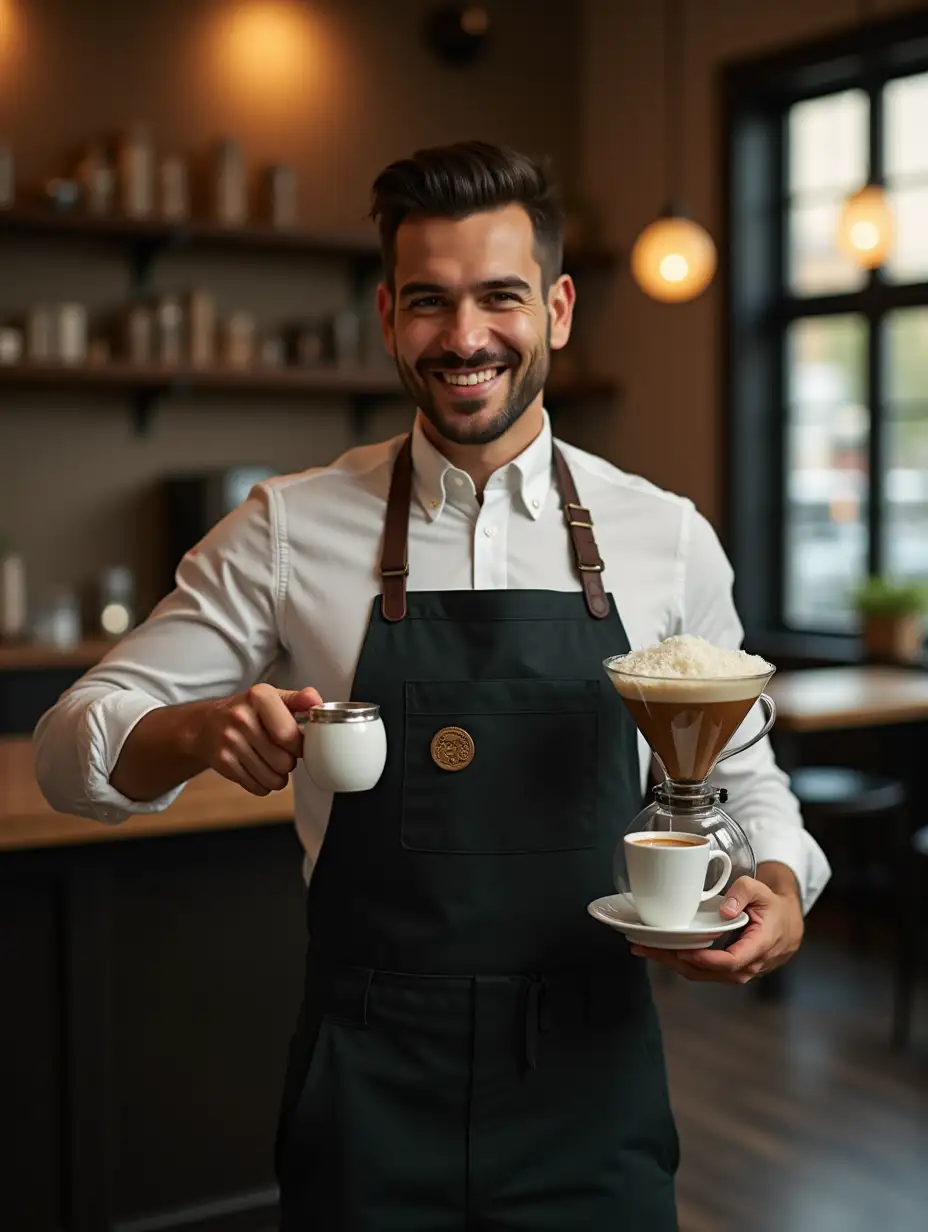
[667, 872]
[344, 746]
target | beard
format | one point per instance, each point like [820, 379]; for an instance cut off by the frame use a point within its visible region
[464, 425]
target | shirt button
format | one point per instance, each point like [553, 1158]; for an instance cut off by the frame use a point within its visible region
[536, 503]
[459, 480]
[489, 531]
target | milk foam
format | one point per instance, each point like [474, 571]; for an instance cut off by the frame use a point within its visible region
[687, 669]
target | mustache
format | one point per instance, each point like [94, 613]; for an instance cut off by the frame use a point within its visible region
[477, 361]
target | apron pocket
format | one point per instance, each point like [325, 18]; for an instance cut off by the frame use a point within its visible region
[500, 766]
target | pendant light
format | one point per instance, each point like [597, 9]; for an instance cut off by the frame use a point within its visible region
[674, 258]
[865, 224]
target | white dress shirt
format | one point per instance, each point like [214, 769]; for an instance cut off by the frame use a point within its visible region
[281, 590]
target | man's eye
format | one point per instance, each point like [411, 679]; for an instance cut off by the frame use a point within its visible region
[426, 301]
[498, 296]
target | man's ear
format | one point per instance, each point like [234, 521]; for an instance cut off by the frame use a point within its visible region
[385, 312]
[562, 296]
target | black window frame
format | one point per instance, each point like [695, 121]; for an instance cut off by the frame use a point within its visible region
[756, 97]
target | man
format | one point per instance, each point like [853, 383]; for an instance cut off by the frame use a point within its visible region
[474, 1052]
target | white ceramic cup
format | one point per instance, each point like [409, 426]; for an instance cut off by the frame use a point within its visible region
[666, 878]
[344, 746]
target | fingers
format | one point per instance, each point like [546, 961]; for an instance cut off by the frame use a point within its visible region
[741, 894]
[300, 701]
[275, 716]
[228, 765]
[251, 760]
[676, 962]
[748, 949]
[244, 730]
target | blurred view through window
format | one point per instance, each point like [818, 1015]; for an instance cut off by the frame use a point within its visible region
[855, 383]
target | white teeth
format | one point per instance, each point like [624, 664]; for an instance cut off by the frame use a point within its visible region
[470, 378]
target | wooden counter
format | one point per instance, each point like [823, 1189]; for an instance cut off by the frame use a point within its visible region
[209, 802]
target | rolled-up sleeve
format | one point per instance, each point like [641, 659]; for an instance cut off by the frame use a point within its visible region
[759, 795]
[214, 635]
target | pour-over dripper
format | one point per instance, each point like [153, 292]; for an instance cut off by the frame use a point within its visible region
[688, 722]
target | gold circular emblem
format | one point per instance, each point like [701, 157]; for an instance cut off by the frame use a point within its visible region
[452, 748]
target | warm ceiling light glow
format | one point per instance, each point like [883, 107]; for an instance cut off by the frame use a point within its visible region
[673, 260]
[7, 27]
[263, 47]
[865, 227]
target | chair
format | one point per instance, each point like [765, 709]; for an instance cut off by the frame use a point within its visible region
[910, 942]
[835, 802]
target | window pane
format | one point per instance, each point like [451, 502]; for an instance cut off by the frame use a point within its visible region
[906, 126]
[828, 143]
[908, 258]
[816, 265]
[905, 512]
[828, 429]
[906, 349]
[826, 361]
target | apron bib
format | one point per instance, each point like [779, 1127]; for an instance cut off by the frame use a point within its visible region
[474, 1051]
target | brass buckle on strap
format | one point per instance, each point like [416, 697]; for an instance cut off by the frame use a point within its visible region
[568, 505]
[591, 568]
[404, 572]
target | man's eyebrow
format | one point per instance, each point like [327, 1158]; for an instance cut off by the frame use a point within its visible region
[511, 283]
[423, 288]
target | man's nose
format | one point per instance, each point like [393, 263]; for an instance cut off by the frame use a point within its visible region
[466, 330]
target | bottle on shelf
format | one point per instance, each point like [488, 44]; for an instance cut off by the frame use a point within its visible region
[137, 172]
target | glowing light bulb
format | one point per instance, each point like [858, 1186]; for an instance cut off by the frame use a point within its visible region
[865, 227]
[673, 260]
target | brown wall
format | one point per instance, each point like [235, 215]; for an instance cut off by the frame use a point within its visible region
[667, 357]
[339, 87]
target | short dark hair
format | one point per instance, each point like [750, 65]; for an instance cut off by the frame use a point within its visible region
[468, 177]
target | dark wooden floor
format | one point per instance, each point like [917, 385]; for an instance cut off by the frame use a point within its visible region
[797, 1117]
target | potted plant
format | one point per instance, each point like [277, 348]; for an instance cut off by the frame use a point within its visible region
[892, 619]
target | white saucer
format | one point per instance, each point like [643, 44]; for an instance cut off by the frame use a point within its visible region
[616, 911]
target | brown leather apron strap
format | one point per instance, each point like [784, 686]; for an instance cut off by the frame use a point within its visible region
[586, 553]
[394, 560]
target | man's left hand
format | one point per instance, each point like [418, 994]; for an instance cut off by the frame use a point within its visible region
[772, 937]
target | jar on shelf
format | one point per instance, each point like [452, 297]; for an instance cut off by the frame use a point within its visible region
[173, 189]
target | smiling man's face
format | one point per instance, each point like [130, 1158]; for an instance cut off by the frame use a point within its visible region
[470, 325]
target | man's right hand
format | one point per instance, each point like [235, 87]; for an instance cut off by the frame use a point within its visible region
[253, 738]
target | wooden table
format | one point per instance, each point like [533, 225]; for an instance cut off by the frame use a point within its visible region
[832, 698]
[209, 802]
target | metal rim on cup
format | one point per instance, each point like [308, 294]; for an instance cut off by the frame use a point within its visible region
[344, 712]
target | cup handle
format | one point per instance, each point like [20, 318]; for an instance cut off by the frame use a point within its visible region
[770, 706]
[725, 874]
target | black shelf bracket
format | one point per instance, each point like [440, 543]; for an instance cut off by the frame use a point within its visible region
[144, 404]
[145, 399]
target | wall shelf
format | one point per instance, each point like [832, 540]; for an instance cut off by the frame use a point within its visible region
[153, 234]
[147, 383]
[146, 239]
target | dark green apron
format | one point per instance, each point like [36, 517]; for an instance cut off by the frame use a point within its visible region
[474, 1051]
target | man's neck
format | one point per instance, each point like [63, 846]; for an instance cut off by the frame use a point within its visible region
[482, 461]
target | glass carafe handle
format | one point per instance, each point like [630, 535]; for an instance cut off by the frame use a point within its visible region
[770, 706]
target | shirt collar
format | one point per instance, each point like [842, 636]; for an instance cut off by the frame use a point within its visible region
[436, 480]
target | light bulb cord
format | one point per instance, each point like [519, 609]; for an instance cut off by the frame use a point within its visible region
[673, 102]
